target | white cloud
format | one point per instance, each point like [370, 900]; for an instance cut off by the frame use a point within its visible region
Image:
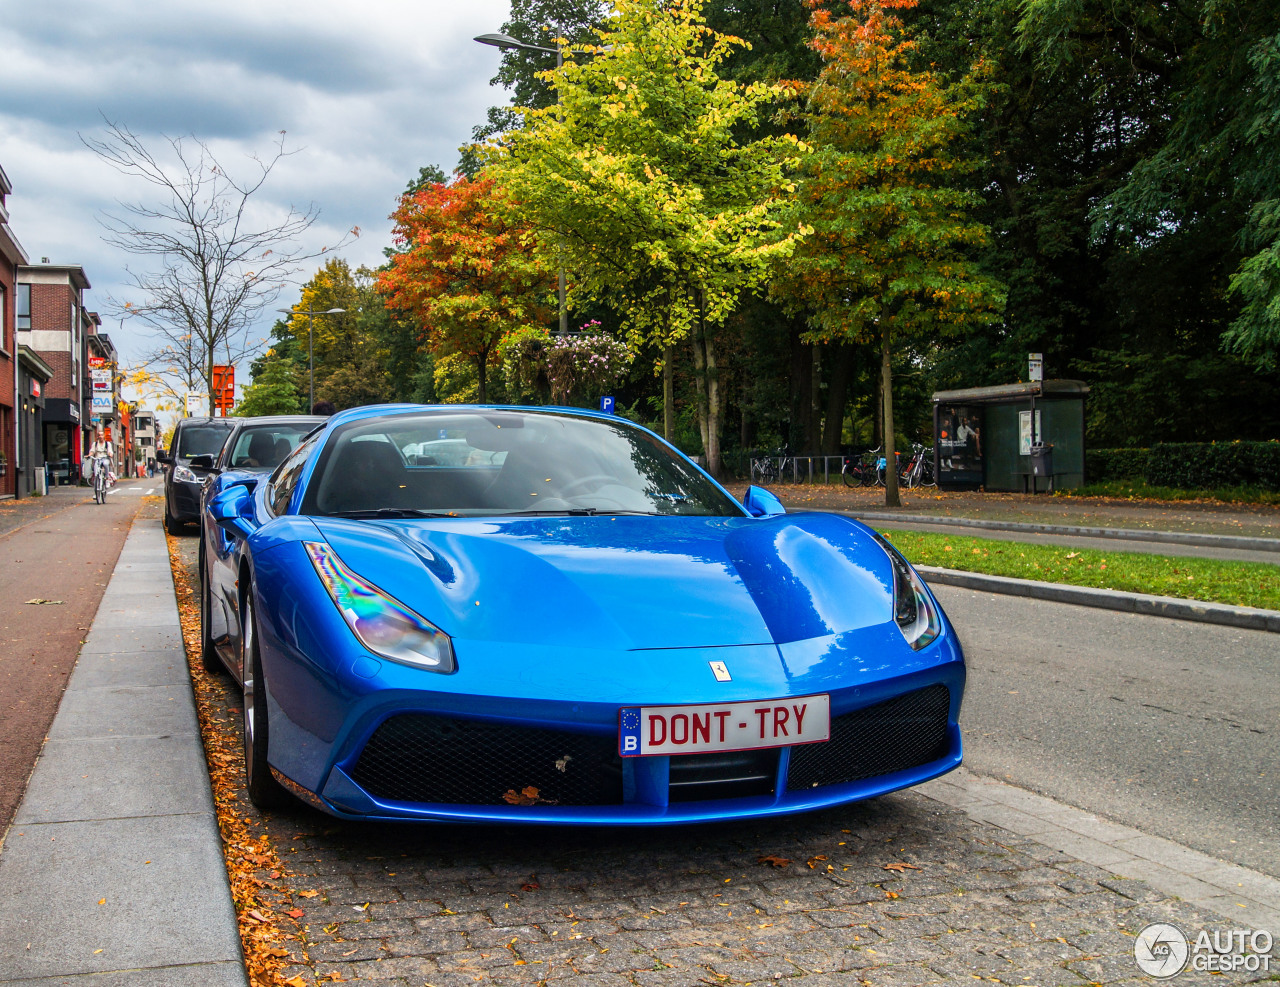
[366, 95]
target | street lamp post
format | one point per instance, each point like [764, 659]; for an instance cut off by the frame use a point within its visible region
[311, 360]
[505, 42]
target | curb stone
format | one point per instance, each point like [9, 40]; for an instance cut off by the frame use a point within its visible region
[1248, 618]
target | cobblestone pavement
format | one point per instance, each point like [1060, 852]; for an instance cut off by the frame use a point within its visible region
[902, 890]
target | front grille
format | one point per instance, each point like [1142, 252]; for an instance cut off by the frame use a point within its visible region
[722, 775]
[903, 732]
[416, 757]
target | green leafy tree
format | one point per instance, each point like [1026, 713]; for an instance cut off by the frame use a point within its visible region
[887, 258]
[350, 360]
[639, 181]
[1201, 155]
[274, 390]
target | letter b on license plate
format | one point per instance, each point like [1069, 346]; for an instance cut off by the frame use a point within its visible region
[649, 730]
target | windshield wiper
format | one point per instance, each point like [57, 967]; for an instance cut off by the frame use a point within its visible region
[389, 512]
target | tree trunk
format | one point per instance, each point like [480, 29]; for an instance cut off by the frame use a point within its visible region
[707, 385]
[891, 498]
[837, 395]
[801, 388]
[813, 431]
[668, 393]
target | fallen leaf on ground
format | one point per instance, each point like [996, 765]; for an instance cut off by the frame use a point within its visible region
[39, 603]
[307, 894]
[773, 861]
[900, 866]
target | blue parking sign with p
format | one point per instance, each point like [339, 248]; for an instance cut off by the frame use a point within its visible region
[606, 405]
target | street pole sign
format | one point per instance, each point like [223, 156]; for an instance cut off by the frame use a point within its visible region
[606, 405]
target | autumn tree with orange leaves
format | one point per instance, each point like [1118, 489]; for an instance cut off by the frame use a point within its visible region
[464, 270]
[882, 190]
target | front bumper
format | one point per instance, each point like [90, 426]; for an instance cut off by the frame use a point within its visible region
[549, 777]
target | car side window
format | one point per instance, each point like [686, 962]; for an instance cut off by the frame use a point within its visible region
[287, 475]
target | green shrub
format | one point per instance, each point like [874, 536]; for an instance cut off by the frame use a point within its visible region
[1104, 465]
[1214, 465]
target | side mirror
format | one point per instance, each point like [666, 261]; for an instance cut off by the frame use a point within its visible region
[759, 502]
[204, 462]
[162, 456]
[232, 509]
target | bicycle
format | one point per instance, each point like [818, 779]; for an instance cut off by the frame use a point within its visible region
[99, 480]
[860, 472]
[919, 470]
[763, 470]
[767, 469]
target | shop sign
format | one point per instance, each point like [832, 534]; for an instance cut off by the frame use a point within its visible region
[35, 388]
[102, 404]
[101, 379]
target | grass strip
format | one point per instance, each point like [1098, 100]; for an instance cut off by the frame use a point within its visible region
[1246, 584]
[1141, 490]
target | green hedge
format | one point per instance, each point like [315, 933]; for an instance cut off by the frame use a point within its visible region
[1101, 465]
[1214, 465]
[1190, 465]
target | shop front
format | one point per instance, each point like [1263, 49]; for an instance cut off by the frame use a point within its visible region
[62, 452]
[33, 376]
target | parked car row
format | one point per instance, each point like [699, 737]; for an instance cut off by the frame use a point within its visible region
[549, 616]
[202, 448]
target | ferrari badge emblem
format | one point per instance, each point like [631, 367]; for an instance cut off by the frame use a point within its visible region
[721, 671]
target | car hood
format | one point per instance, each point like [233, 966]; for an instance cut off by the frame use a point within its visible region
[627, 582]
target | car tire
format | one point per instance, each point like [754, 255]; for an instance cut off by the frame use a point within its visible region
[171, 523]
[209, 659]
[264, 791]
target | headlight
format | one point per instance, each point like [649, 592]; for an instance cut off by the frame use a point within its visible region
[913, 610]
[182, 473]
[383, 625]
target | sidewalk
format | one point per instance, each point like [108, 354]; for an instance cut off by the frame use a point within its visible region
[112, 872]
[1253, 521]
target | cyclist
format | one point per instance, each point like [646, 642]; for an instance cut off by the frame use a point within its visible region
[101, 454]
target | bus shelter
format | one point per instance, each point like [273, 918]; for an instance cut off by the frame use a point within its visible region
[1020, 437]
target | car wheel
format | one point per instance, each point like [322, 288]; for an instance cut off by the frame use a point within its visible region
[209, 659]
[171, 523]
[264, 791]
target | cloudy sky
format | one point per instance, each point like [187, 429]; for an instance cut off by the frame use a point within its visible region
[366, 92]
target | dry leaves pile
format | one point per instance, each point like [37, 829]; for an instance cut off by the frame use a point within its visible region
[253, 867]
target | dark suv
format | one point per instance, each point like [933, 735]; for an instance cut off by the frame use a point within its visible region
[182, 480]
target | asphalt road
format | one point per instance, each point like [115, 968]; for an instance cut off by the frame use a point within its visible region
[1169, 726]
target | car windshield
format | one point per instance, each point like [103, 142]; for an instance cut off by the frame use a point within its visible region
[503, 463]
[266, 446]
[200, 440]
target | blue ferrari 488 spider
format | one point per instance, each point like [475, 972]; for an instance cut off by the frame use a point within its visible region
[553, 616]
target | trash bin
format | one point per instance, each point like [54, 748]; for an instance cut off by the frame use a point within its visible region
[1041, 463]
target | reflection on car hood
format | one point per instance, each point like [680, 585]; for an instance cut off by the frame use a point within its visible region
[626, 582]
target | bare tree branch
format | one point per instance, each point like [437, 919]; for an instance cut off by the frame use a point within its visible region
[208, 273]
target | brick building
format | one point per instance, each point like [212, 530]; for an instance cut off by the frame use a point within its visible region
[12, 256]
[53, 323]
